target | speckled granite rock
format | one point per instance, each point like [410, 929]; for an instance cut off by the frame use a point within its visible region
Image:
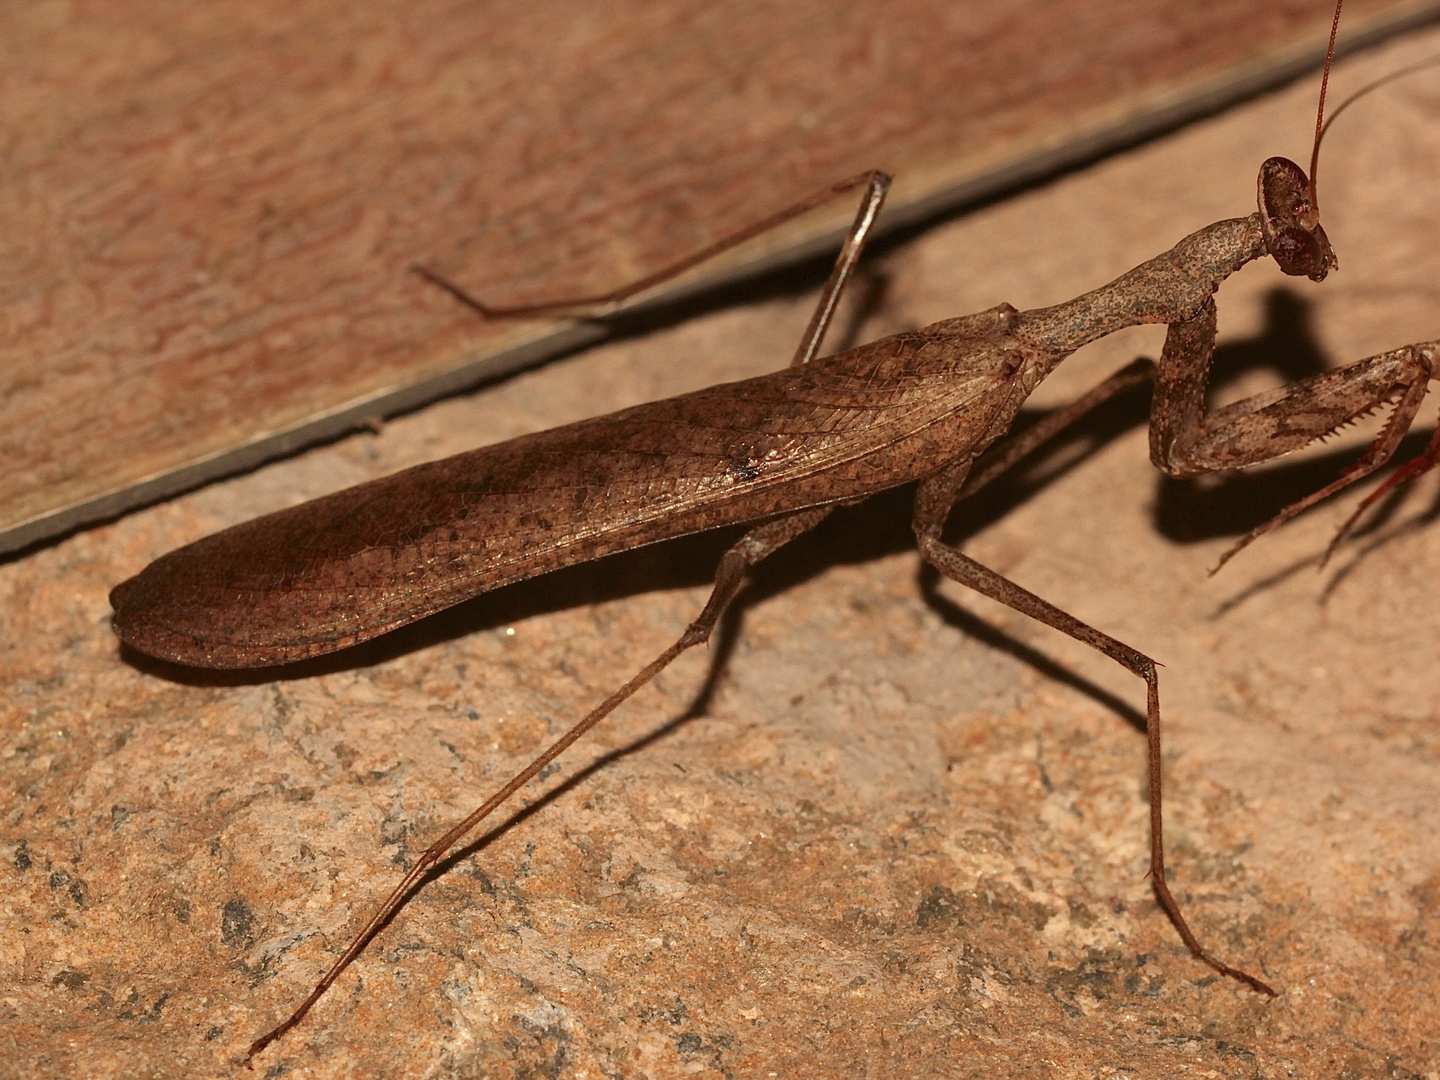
[902, 835]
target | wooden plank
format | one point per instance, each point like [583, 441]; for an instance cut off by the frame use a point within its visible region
[208, 211]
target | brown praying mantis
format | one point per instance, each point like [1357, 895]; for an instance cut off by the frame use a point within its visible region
[932, 406]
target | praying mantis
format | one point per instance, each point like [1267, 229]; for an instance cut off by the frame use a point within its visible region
[1326, 401]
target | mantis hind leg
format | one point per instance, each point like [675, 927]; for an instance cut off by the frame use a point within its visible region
[754, 546]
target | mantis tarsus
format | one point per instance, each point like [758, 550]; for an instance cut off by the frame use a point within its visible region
[782, 449]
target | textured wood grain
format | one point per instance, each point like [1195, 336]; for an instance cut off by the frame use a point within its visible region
[207, 211]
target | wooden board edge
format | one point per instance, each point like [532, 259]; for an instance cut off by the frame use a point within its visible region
[922, 199]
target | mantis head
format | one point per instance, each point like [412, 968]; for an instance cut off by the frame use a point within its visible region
[1289, 205]
[1290, 201]
[1290, 219]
